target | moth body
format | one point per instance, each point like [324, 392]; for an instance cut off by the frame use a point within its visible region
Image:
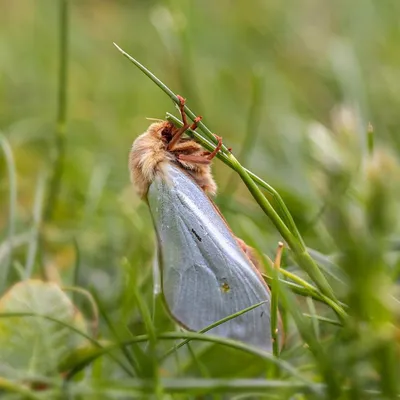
[206, 272]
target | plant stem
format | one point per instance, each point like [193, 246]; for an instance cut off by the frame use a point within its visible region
[213, 325]
[224, 153]
[323, 319]
[299, 251]
[250, 179]
[251, 132]
[291, 236]
[59, 148]
[275, 300]
[12, 206]
[283, 210]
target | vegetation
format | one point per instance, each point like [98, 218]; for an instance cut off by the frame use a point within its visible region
[305, 94]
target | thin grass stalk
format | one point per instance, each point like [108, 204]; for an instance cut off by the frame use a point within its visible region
[283, 211]
[224, 150]
[370, 138]
[314, 319]
[322, 319]
[298, 248]
[253, 122]
[195, 386]
[93, 305]
[283, 365]
[314, 293]
[304, 326]
[200, 366]
[299, 251]
[61, 124]
[303, 288]
[37, 219]
[116, 336]
[292, 237]
[106, 349]
[275, 301]
[213, 325]
[76, 274]
[12, 205]
[150, 328]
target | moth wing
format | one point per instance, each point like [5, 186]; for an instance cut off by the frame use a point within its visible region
[205, 276]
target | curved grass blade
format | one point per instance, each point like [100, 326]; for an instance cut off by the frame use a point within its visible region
[12, 202]
[93, 305]
[323, 319]
[209, 135]
[217, 323]
[195, 386]
[283, 365]
[37, 218]
[61, 123]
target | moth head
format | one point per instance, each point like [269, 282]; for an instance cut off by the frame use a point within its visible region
[161, 131]
[148, 151]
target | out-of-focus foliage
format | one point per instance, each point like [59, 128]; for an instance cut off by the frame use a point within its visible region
[291, 86]
[31, 345]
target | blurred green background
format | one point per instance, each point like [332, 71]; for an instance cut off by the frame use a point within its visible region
[276, 72]
[290, 85]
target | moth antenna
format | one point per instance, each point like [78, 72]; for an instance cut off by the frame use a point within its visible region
[154, 119]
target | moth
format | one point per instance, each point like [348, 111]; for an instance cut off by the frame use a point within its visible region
[206, 272]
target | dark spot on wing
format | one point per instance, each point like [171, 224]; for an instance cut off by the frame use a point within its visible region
[262, 313]
[197, 236]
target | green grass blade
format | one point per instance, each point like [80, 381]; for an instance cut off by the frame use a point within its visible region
[62, 100]
[213, 325]
[12, 204]
[37, 218]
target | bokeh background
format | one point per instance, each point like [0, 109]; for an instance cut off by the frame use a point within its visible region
[266, 74]
[291, 86]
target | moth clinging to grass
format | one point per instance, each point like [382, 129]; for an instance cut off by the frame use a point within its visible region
[205, 273]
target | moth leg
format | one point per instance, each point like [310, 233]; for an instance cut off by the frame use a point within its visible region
[182, 102]
[204, 158]
[196, 159]
[210, 156]
[178, 134]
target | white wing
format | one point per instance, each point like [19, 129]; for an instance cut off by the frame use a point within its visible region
[205, 274]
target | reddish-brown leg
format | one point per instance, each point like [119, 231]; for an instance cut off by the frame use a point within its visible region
[210, 156]
[182, 102]
[193, 159]
[178, 134]
[205, 158]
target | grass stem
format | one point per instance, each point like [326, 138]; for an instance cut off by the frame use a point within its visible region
[61, 124]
